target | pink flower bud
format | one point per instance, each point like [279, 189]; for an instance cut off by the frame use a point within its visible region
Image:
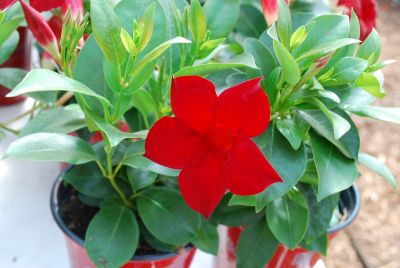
[40, 29]
[76, 7]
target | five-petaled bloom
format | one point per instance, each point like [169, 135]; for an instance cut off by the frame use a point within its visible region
[210, 140]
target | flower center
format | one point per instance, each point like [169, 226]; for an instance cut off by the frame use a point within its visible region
[220, 137]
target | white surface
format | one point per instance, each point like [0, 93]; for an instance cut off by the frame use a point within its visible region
[28, 235]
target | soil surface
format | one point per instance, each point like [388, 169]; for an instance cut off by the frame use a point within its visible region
[377, 230]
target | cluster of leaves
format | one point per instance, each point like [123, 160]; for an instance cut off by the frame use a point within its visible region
[316, 74]
[122, 75]
[9, 37]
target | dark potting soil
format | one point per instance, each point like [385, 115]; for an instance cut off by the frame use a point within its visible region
[77, 217]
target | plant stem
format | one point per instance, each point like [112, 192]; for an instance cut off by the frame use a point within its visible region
[34, 108]
[15, 132]
[64, 98]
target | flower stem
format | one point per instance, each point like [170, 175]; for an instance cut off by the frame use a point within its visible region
[15, 132]
[64, 98]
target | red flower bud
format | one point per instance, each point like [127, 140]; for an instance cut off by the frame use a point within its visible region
[6, 3]
[45, 5]
[40, 30]
[76, 7]
[270, 9]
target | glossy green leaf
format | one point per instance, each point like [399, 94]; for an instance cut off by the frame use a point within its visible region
[287, 221]
[370, 49]
[8, 27]
[262, 56]
[379, 167]
[284, 23]
[294, 130]
[319, 244]
[347, 69]
[298, 37]
[11, 77]
[251, 22]
[112, 236]
[207, 239]
[144, 102]
[290, 69]
[270, 84]
[8, 47]
[51, 147]
[389, 114]
[40, 80]
[179, 224]
[256, 245]
[88, 180]
[222, 16]
[157, 244]
[371, 84]
[280, 154]
[139, 178]
[57, 120]
[197, 21]
[335, 172]
[106, 29]
[348, 144]
[311, 175]
[146, 26]
[243, 200]
[241, 61]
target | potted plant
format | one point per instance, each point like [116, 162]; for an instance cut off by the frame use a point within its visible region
[257, 155]
[115, 202]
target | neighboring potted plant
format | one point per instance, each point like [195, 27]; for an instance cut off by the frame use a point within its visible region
[257, 155]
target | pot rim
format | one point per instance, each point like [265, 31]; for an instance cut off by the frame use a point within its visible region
[355, 196]
[71, 235]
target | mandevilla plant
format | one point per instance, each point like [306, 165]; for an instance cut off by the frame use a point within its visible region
[172, 111]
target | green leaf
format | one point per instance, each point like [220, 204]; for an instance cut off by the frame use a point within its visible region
[112, 236]
[298, 37]
[335, 172]
[371, 84]
[51, 147]
[319, 244]
[370, 49]
[142, 70]
[241, 61]
[287, 221]
[106, 29]
[140, 179]
[146, 24]
[262, 56]
[256, 245]
[40, 80]
[243, 200]
[11, 77]
[290, 70]
[339, 124]
[379, 167]
[311, 175]
[319, 213]
[8, 47]
[88, 180]
[57, 120]
[179, 224]
[294, 130]
[197, 21]
[134, 158]
[8, 27]
[207, 239]
[128, 42]
[284, 23]
[348, 144]
[114, 135]
[155, 243]
[281, 155]
[251, 22]
[270, 84]
[346, 70]
[144, 102]
[222, 16]
[389, 114]
[354, 32]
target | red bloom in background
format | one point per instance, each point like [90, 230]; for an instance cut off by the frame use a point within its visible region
[210, 140]
[45, 5]
[366, 13]
[6, 3]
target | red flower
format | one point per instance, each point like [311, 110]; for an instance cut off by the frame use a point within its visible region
[210, 140]
[366, 13]
[45, 5]
[76, 7]
[6, 3]
[271, 9]
[40, 30]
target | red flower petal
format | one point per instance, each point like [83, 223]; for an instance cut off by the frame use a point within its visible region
[45, 5]
[173, 144]
[270, 9]
[193, 99]
[202, 184]
[6, 3]
[247, 170]
[244, 107]
[76, 7]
